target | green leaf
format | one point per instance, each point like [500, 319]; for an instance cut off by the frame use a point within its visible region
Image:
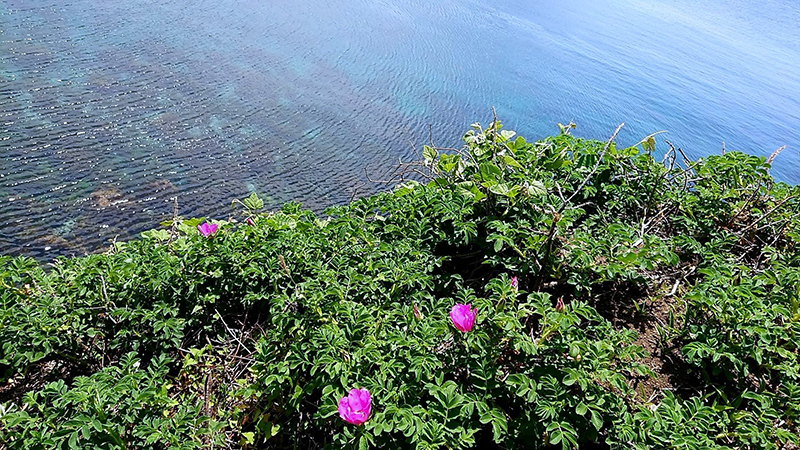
[535, 187]
[507, 135]
[252, 202]
[429, 153]
[158, 235]
[248, 437]
[649, 144]
[499, 423]
[511, 162]
[489, 171]
[467, 409]
[498, 245]
[274, 429]
[555, 437]
[73, 440]
[500, 189]
[597, 420]
[193, 222]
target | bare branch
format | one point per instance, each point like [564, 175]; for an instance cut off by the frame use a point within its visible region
[233, 335]
[594, 169]
[775, 153]
[768, 213]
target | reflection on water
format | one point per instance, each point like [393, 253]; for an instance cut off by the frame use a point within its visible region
[110, 109]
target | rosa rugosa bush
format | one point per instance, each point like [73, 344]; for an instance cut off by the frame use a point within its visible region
[651, 304]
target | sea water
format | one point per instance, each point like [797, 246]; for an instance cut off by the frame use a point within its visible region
[110, 109]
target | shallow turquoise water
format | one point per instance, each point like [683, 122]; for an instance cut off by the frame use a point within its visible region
[108, 109]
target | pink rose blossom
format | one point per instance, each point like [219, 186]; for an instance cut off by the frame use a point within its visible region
[463, 317]
[560, 305]
[514, 284]
[207, 229]
[417, 314]
[355, 408]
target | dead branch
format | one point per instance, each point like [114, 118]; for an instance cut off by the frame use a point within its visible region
[774, 154]
[594, 169]
[233, 335]
[768, 213]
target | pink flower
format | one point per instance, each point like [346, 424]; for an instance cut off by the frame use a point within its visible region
[207, 229]
[514, 284]
[560, 305]
[463, 316]
[417, 314]
[250, 222]
[355, 408]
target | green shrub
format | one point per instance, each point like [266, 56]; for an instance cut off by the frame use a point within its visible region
[655, 306]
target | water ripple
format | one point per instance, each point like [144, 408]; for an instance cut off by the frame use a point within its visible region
[108, 110]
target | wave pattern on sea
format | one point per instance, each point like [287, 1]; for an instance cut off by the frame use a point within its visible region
[109, 110]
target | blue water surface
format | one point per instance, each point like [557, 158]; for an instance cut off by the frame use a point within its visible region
[109, 109]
